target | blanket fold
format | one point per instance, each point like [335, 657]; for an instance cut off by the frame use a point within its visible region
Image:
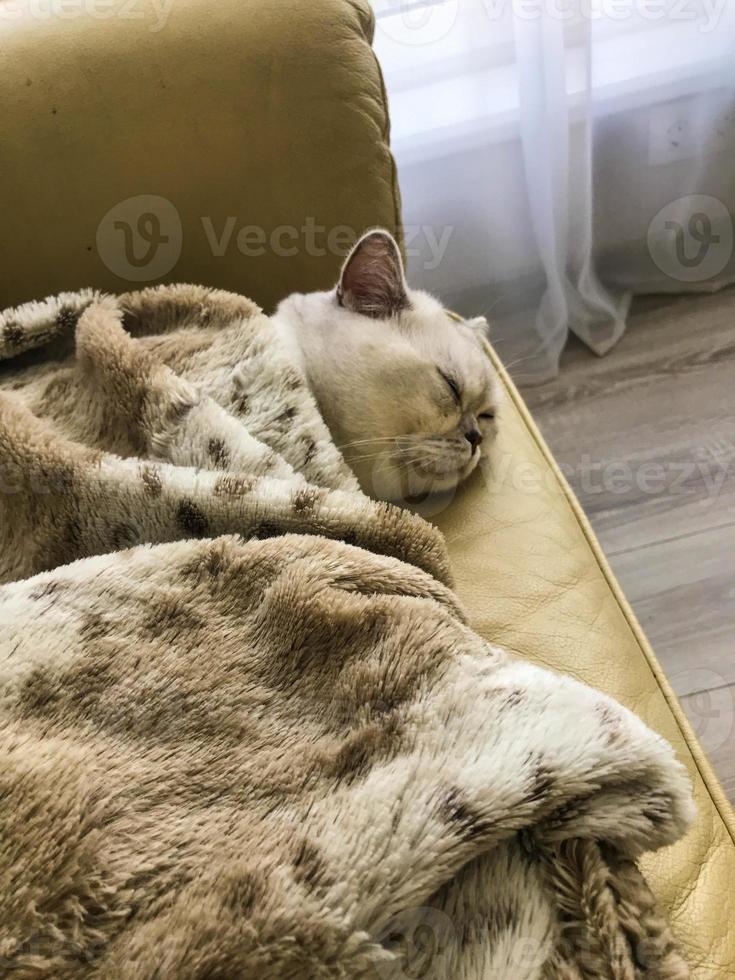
[111, 447]
[245, 727]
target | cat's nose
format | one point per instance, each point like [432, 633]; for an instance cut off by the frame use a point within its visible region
[474, 438]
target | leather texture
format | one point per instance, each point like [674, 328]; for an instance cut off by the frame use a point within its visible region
[533, 578]
[274, 111]
[270, 113]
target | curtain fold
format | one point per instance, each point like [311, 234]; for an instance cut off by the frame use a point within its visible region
[564, 155]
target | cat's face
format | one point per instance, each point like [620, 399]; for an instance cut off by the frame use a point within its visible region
[408, 392]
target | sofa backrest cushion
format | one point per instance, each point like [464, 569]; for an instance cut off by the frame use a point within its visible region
[242, 144]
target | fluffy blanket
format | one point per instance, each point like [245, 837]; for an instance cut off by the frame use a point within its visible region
[245, 729]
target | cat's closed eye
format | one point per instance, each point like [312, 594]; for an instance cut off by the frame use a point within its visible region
[452, 385]
[486, 415]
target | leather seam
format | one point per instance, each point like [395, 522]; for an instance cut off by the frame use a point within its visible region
[709, 779]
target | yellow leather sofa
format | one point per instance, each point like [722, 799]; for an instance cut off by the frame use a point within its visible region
[232, 139]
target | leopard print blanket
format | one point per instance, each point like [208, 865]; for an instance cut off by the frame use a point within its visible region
[245, 728]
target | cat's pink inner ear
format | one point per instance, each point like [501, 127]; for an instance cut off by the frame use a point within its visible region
[372, 281]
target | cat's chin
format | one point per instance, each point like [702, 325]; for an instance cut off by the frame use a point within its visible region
[399, 485]
[439, 481]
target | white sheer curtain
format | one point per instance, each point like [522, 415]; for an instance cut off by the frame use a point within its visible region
[556, 156]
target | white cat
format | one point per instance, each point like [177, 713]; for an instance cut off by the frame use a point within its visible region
[408, 393]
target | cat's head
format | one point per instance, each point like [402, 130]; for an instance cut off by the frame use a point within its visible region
[408, 391]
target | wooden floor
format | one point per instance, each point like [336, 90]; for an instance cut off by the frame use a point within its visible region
[646, 436]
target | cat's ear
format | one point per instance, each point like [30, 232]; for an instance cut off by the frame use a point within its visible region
[480, 326]
[372, 280]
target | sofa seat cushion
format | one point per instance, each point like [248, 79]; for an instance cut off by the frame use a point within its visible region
[533, 578]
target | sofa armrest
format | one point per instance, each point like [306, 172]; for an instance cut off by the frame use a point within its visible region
[534, 579]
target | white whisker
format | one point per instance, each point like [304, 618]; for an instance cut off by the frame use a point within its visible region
[375, 440]
[367, 458]
[517, 361]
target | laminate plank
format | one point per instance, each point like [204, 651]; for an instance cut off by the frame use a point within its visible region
[683, 593]
[680, 338]
[649, 449]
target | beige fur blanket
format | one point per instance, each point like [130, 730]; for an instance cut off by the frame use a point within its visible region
[233, 745]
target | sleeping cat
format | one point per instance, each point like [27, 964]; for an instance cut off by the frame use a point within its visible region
[408, 392]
